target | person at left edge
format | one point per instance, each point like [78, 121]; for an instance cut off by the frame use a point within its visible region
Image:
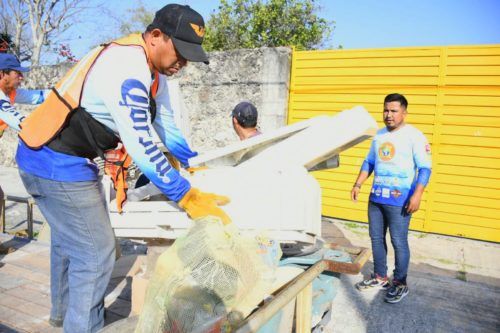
[11, 77]
[105, 104]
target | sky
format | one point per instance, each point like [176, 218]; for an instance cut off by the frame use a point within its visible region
[358, 24]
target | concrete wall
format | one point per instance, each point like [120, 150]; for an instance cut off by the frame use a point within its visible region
[205, 95]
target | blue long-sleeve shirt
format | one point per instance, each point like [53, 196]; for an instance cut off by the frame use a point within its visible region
[8, 112]
[400, 159]
[116, 93]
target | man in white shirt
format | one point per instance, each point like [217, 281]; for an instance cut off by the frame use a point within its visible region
[400, 158]
[11, 77]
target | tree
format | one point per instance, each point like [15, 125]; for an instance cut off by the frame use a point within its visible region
[37, 24]
[137, 20]
[13, 20]
[258, 23]
[64, 51]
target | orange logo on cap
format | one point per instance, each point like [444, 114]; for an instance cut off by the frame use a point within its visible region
[199, 30]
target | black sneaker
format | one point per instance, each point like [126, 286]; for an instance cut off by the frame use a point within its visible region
[373, 283]
[396, 293]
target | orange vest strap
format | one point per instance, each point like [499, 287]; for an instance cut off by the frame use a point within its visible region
[48, 119]
[12, 96]
[116, 166]
[156, 83]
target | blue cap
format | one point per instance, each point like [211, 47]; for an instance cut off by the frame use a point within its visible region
[9, 61]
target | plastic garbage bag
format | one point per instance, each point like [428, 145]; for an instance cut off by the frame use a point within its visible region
[208, 281]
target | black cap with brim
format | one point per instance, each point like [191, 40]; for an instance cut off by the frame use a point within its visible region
[185, 27]
[190, 51]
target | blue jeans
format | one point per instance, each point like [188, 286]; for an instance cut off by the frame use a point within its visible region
[82, 249]
[397, 220]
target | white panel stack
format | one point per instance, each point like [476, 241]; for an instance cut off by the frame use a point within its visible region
[266, 178]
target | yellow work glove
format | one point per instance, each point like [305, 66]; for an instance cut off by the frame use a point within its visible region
[198, 204]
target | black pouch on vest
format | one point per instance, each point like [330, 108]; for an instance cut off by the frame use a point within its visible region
[84, 136]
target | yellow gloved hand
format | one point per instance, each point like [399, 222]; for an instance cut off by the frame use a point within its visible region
[198, 204]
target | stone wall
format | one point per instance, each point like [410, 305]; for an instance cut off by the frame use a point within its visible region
[205, 95]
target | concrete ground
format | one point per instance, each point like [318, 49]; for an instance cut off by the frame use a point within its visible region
[454, 282]
[454, 286]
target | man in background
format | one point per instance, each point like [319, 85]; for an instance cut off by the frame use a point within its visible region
[244, 118]
[11, 77]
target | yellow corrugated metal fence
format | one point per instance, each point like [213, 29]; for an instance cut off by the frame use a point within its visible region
[454, 98]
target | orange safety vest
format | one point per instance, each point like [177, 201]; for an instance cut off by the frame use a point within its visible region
[12, 98]
[65, 99]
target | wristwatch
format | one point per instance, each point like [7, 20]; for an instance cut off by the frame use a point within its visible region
[356, 185]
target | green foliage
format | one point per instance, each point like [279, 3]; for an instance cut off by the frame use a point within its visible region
[138, 19]
[258, 23]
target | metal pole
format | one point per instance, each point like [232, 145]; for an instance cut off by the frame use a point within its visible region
[2, 213]
[262, 316]
[30, 218]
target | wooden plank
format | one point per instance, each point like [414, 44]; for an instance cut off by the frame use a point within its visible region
[353, 97]
[460, 219]
[471, 100]
[470, 231]
[483, 69]
[489, 164]
[471, 60]
[477, 50]
[367, 62]
[466, 119]
[470, 191]
[367, 53]
[468, 181]
[470, 91]
[467, 210]
[470, 141]
[303, 312]
[473, 80]
[485, 152]
[477, 131]
[367, 71]
[377, 80]
[465, 200]
[468, 171]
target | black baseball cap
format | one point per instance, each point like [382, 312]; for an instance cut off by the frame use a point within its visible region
[246, 114]
[185, 27]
